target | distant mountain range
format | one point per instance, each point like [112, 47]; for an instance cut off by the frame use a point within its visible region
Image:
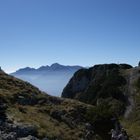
[51, 79]
[54, 67]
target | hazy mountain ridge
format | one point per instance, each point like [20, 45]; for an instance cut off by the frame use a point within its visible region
[48, 77]
[52, 68]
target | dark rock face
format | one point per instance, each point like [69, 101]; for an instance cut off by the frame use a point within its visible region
[100, 81]
[102, 86]
[77, 84]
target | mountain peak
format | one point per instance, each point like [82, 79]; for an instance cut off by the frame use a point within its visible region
[55, 64]
[42, 68]
[26, 69]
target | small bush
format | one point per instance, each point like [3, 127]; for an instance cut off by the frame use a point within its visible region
[22, 109]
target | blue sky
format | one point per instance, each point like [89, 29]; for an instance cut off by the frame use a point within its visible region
[82, 32]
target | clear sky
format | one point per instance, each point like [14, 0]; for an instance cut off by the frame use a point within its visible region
[70, 32]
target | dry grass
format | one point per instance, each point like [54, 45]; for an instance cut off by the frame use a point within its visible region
[45, 124]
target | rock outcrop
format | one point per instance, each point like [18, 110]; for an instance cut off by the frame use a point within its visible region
[114, 89]
[100, 81]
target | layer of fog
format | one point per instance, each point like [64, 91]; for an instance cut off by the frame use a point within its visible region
[52, 83]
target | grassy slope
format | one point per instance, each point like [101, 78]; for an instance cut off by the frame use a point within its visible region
[38, 114]
[46, 125]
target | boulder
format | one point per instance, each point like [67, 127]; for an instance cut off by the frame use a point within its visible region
[25, 99]
[26, 130]
[56, 114]
[29, 138]
[8, 136]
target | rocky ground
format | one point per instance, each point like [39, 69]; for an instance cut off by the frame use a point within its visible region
[11, 131]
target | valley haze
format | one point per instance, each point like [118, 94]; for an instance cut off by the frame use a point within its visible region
[51, 79]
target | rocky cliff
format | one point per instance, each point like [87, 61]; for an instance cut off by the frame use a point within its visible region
[100, 81]
[114, 89]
